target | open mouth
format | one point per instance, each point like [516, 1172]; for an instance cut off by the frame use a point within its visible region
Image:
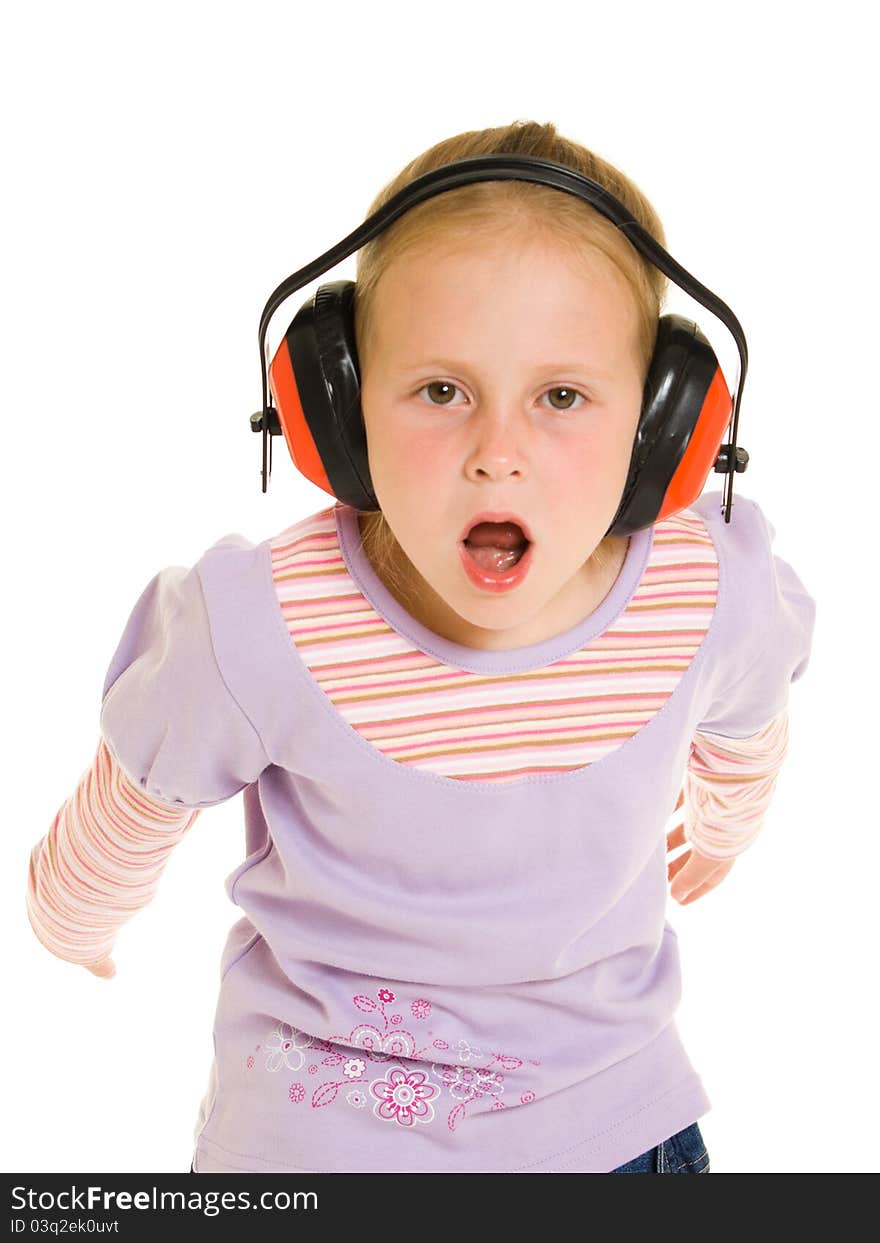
[496, 546]
[496, 560]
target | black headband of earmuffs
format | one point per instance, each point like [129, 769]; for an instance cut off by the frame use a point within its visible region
[501, 167]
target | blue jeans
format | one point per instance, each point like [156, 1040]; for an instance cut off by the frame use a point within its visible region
[683, 1153]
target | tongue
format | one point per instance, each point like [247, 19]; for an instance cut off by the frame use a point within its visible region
[496, 546]
[496, 559]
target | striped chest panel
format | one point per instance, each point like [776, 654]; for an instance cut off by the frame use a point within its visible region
[470, 726]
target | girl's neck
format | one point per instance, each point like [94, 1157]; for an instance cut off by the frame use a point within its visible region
[415, 595]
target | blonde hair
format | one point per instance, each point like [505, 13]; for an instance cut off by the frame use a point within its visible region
[482, 210]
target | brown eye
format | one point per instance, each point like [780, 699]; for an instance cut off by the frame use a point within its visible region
[569, 394]
[439, 386]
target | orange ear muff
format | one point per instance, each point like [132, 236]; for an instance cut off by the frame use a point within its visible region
[291, 416]
[701, 453]
[315, 381]
[292, 419]
[686, 407]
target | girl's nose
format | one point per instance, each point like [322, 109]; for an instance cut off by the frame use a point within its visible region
[497, 448]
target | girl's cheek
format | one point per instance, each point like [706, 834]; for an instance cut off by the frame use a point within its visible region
[427, 453]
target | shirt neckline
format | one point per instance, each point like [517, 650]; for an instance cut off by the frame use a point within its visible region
[478, 660]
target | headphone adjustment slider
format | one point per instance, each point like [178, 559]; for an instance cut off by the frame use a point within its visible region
[722, 462]
[273, 421]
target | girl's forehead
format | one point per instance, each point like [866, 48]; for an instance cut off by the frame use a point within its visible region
[510, 251]
[551, 281]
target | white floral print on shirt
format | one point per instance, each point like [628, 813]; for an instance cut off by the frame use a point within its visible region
[285, 1049]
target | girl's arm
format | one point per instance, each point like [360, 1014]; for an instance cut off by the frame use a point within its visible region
[741, 738]
[173, 740]
[728, 785]
[99, 863]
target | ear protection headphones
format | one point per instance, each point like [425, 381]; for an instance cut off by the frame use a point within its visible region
[315, 377]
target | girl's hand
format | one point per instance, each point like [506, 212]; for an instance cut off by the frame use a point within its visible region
[699, 873]
[104, 968]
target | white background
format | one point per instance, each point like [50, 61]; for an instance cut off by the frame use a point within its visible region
[166, 166]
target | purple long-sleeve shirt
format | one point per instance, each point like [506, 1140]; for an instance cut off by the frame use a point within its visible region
[453, 954]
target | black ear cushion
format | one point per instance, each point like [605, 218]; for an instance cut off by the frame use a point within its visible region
[682, 368]
[324, 357]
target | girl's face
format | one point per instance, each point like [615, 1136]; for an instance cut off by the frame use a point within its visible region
[502, 377]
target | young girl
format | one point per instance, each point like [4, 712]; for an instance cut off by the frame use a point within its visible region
[457, 760]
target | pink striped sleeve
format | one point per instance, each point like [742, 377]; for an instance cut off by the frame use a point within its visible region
[100, 862]
[728, 786]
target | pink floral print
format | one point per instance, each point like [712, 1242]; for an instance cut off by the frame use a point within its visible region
[404, 1097]
[395, 1068]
